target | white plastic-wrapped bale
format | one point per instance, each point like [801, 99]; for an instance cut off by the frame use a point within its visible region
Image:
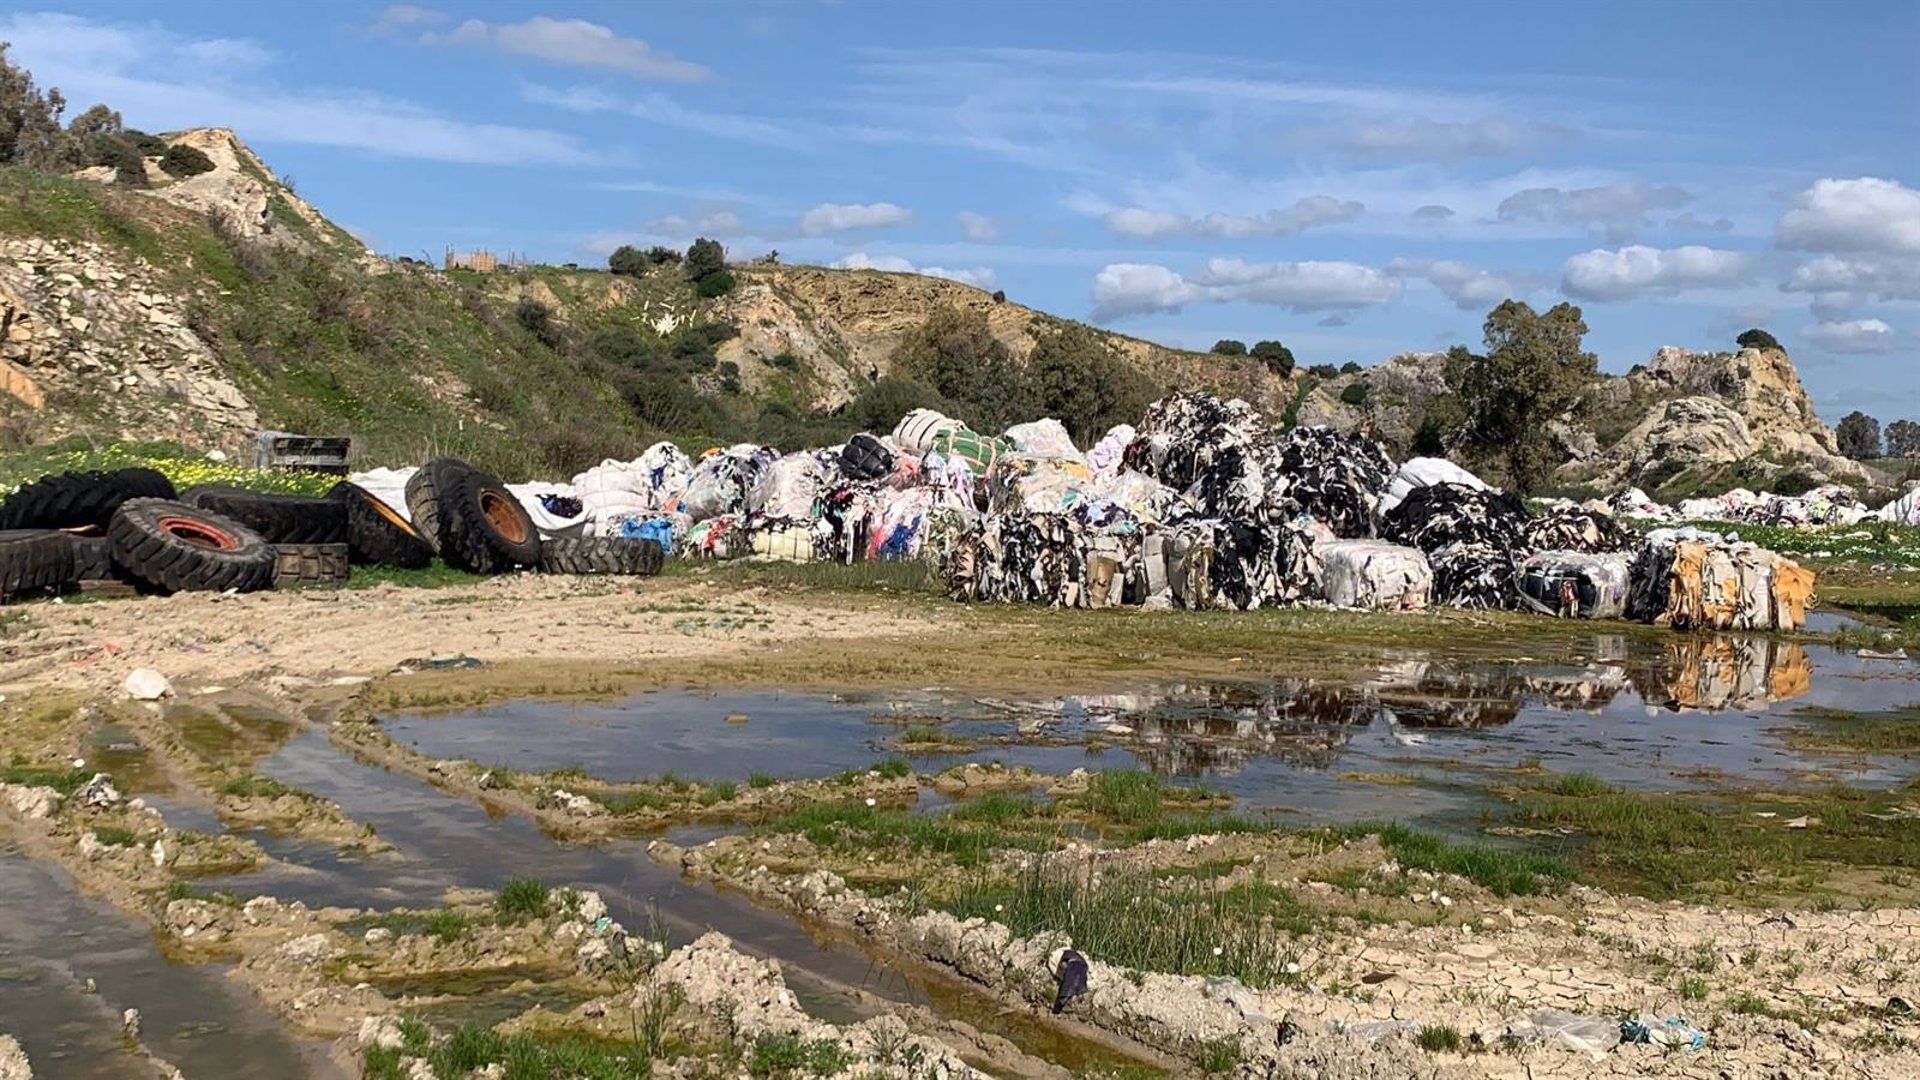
[789, 488]
[915, 432]
[556, 509]
[1374, 575]
[1045, 437]
[1424, 472]
[1574, 584]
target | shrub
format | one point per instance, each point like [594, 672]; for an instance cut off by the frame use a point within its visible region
[522, 898]
[1355, 393]
[662, 256]
[537, 318]
[718, 283]
[1323, 371]
[705, 257]
[129, 167]
[1350, 368]
[627, 259]
[882, 404]
[1278, 357]
[1757, 338]
[182, 161]
[1229, 347]
[999, 296]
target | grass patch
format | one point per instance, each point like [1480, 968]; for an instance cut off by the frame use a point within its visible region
[437, 575]
[520, 1056]
[115, 836]
[631, 801]
[1178, 926]
[1503, 873]
[183, 890]
[522, 898]
[66, 781]
[1439, 1039]
[1893, 732]
[1666, 846]
[255, 786]
[966, 842]
[761, 780]
[776, 1057]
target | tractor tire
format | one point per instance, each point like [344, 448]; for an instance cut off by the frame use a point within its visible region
[377, 534]
[92, 556]
[80, 500]
[32, 561]
[481, 528]
[279, 519]
[179, 548]
[622, 555]
[298, 565]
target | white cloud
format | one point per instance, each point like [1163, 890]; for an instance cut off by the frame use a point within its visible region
[978, 228]
[1852, 336]
[720, 223]
[1469, 287]
[1620, 209]
[398, 17]
[1691, 222]
[574, 43]
[1432, 212]
[846, 217]
[1887, 277]
[1311, 212]
[1122, 289]
[152, 75]
[1431, 140]
[1865, 214]
[1638, 271]
[980, 277]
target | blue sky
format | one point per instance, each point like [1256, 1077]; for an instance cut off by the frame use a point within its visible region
[1355, 180]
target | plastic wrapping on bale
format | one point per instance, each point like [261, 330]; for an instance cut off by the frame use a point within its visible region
[915, 432]
[865, 458]
[1025, 483]
[1688, 579]
[1336, 477]
[722, 480]
[1107, 454]
[613, 491]
[1045, 437]
[1577, 528]
[1439, 515]
[978, 451]
[1575, 584]
[1370, 574]
[1424, 472]
[786, 541]
[789, 488]
[1473, 575]
[1128, 500]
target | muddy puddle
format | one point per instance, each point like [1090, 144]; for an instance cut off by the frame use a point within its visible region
[52, 941]
[444, 842]
[1667, 714]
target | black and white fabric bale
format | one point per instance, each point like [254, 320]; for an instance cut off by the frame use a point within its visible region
[1578, 528]
[1473, 575]
[1439, 515]
[1331, 476]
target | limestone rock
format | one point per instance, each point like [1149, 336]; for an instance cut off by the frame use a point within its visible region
[13, 1060]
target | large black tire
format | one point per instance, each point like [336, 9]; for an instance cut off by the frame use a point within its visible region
[279, 519]
[423, 499]
[92, 557]
[629, 556]
[480, 527]
[377, 534]
[297, 565]
[80, 500]
[181, 548]
[34, 560]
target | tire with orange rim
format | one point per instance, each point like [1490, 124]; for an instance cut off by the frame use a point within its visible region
[377, 534]
[480, 526]
[179, 548]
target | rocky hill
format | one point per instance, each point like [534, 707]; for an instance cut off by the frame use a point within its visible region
[198, 310]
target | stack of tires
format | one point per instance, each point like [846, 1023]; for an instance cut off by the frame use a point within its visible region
[125, 526]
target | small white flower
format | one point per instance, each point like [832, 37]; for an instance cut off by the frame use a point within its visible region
[999, 907]
[1293, 968]
[1217, 950]
[873, 802]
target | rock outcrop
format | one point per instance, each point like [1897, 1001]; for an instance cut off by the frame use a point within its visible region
[91, 339]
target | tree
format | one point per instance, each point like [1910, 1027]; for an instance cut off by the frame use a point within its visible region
[1078, 377]
[718, 283]
[1757, 338]
[1534, 371]
[30, 131]
[662, 256]
[1229, 347]
[98, 120]
[1355, 393]
[626, 259]
[1351, 367]
[881, 405]
[1858, 435]
[705, 257]
[183, 161]
[956, 354]
[1323, 371]
[1903, 439]
[1279, 358]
